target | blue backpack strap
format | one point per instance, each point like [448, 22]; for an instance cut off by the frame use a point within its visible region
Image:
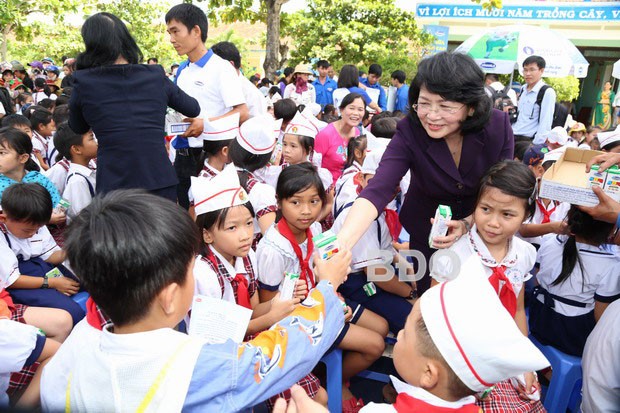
[91, 189]
[345, 206]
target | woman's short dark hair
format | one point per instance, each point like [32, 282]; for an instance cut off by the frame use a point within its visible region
[350, 98]
[298, 178]
[106, 38]
[27, 202]
[189, 16]
[512, 178]
[126, 247]
[454, 77]
[348, 77]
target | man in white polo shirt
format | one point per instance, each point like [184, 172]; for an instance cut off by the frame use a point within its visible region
[207, 78]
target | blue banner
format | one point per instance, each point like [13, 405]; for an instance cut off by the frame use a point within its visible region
[440, 43]
[575, 12]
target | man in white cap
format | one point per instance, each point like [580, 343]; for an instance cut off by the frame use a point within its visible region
[458, 341]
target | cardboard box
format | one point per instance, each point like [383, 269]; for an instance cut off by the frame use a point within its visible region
[568, 181]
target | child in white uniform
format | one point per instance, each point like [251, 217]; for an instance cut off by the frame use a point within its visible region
[578, 278]
[80, 184]
[288, 247]
[505, 199]
[147, 245]
[250, 151]
[442, 363]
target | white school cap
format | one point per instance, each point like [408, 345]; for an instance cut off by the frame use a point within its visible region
[474, 333]
[310, 113]
[371, 162]
[557, 135]
[222, 128]
[554, 155]
[258, 135]
[221, 191]
[605, 138]
[301, 125]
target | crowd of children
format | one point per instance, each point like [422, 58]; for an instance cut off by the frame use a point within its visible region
[264, 193]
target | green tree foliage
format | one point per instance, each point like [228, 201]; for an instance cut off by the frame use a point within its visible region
[14, 17]
[357, 32]
[566, 88]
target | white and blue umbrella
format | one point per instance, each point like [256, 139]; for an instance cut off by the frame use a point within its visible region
[502, 49]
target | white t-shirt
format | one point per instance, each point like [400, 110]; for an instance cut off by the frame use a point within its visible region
[257, 105]
[601, 362]
[601, 279]
[58, 174]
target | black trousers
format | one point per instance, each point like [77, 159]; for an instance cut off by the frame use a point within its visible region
[186, 166]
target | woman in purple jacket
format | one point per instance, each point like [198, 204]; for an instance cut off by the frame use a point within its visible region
[448, 141]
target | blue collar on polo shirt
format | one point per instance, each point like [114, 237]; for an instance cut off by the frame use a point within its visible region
[200, 62]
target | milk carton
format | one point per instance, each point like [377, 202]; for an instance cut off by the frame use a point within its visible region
[288, 285]
[326, 244]
[443, 215]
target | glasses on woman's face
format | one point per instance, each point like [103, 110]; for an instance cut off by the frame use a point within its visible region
[443, 108]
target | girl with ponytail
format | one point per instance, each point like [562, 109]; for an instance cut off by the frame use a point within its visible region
[16, 165]
[571, 297]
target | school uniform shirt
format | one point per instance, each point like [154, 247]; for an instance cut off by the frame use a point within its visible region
[424, 402]
[52, 152]
[270, 174]
[207, 282]
[257, 105]
[374, 247]
[304, 98]
[275, 256]
[213, 82]
[600, 282]
[164, 370]
[518, 262]
[263, 199]
[57, 174]
[601, 358]
[557, 212]
[39, 145]
[9, 268]
[346, 189]
[79, 188]
[20, 345]
[40, 245]
[32, 177]
[37, 97]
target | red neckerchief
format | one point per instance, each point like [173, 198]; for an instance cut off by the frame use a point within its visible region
[406, 403]
[92, 315]
[546, 214]
[306, 272]
[242, 287]
[393, 223]
[507, 294]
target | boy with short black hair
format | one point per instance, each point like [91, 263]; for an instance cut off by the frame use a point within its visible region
[443, 355]
[135, 253]
[324, 86]
[33, 260]
[375, 71]
[402, 91]
[80, 183]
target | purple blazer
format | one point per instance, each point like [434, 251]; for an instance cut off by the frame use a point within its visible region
[435, 179]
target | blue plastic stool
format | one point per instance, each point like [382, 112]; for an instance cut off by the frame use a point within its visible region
[333, 363]
[81, 298]
[565, 388]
